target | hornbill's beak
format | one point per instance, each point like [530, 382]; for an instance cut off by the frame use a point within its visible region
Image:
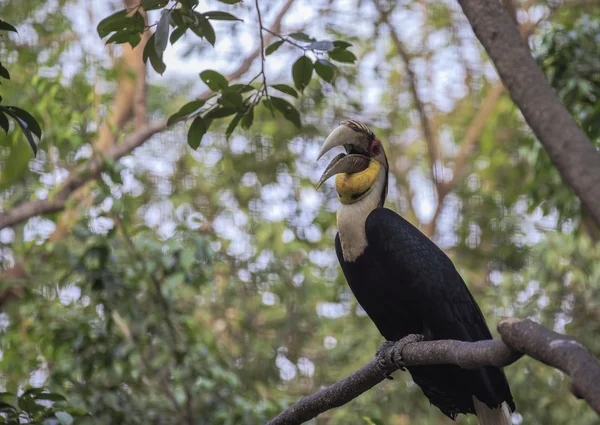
[356, 145]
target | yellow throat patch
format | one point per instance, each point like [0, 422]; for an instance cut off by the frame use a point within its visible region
[353, 187]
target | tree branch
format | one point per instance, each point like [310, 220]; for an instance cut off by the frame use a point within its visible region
[478, 122]
[426, 127]
[570, 150]
[518, 337]
[94, 166]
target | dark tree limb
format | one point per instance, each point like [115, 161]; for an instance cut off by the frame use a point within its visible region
[559, 351]
[570, 150]
[518, 337]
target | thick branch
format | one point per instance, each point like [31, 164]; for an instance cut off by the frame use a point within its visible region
[94, 166]
[518, 337]
[558, 351]
[570, 150]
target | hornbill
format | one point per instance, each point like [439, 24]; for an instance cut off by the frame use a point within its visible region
[404, 282]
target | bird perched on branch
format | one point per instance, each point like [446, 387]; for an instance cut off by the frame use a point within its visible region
[405, 283]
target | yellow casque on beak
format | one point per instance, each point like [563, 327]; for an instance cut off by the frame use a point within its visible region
[354, 187]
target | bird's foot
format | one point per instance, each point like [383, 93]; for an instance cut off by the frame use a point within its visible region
[389, 354]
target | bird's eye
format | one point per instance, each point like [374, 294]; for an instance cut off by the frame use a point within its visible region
[375, 148]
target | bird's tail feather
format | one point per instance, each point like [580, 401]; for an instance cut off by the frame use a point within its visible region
[488, 416]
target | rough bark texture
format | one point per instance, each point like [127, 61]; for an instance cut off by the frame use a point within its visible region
[567, 145]
[519, 337]
[559, 351]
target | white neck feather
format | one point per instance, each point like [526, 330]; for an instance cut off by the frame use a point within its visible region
[351, 220]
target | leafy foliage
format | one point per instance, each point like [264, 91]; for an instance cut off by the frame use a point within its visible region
[202, 287]
[24, 120]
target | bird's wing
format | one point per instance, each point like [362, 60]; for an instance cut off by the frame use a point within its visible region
[423, 272]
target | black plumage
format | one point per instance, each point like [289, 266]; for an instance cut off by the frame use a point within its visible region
[406, 284]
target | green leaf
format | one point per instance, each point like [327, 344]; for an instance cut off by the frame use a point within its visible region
[31, 122]
[287, 109]
[4, 72]
[221, 112]
[325, 70]
[120, 38]
[300, 36]
[273, 47]
[284, 88]
[177, 34]
[148, 49]
[341, 44]
[221, 16]
[203, 28]
[197, 130]
[302, 72]
[248, 118]
[134, 39]
[4, 122]
[150, 53]
[154, 4]
[342, 55]
[324, 46]
[185, 110]
[50, 396]
[5, 26]
[114, 22]
[241, 88]
[214, 80]
[161, 36]
[233, 124]
[232, 100]
[64, 418]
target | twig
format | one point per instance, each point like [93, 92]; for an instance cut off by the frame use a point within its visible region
[477, 124]
[262, 50]
[426, 127]
[518, 337]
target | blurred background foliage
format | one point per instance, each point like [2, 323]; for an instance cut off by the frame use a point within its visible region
[201, 287]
